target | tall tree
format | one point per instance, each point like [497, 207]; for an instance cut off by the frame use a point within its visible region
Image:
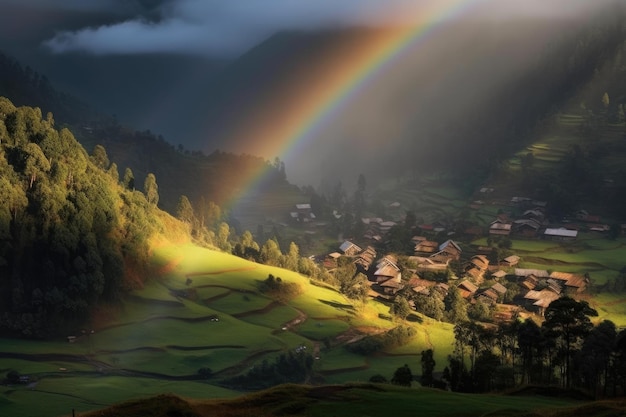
[184, 210]
[99, 157]
[569, 321]
[428, 367]
[129, 179]
[151, 189]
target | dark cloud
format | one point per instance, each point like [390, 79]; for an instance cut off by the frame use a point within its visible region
[228, 27]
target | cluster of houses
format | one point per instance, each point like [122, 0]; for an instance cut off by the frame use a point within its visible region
[533, 223]
[536, 288]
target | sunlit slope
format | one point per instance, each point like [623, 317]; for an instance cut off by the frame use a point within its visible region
[198, 321]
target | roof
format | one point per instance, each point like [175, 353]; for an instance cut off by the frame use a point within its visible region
[540, 273]
[303, 206]
[469, 286]
[480, 261]
[387, 271]
[348, 245]
[499, 288]
[500, 226]
[499, 274]
[452, 243]
[534, 224]
[334, 255]
[513, 259]
[561, 232]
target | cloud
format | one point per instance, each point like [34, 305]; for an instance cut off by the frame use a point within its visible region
[229, 27]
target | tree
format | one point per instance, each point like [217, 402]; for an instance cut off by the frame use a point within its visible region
[223, 237]
[568, 320]
[129, 179]
[151, 189]
[35, 162]
[428, 367]
[400, 308]
[596, 356]
[270, 253]
[291, 259]
[99, 157]
[402, 376]
[184, 210]
[456, 306]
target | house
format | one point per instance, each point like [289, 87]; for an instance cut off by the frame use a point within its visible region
[388, 260]
[539, 273]
[480, 261]
[449, 250]
[526, 227]
[511, 260]
[500, 228]
[366, 258]
[386, 272]
[475, 274]
[429, 264]
[426, 247]
[540, 300]
[391, 287]
[499, 274]
[499, 288]
[467, 288]
[561, 234]
[530, 282]
[330, 260]
[489, 296]
[536, 214]
[303, 213]
[571, 282]
[349, 249]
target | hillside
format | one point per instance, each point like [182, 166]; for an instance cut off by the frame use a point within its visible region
[374, 400]
[68, 210]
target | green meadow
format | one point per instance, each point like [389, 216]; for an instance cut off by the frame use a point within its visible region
[201, 310]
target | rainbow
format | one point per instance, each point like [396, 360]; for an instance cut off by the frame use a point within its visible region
[321, 105]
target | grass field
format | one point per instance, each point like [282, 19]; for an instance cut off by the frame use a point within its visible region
[203, 310]
[362, 399]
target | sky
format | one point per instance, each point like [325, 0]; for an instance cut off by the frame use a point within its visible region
[142, 59]
[230, 27]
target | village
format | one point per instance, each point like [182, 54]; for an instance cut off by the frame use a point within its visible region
[481, 273]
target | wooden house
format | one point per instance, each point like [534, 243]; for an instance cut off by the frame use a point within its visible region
[510, 260]
[499, 274]
[526, 227]
[499, 228]
[572, 283]
[426, 247]
[467, 288]
[448, 250]
[349, 249]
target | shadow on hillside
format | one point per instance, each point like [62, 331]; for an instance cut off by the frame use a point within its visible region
[345, 307]
[414, 318]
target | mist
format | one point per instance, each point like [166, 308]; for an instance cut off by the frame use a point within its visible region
[229, 28]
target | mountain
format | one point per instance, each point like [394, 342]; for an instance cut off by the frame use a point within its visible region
[454, 99]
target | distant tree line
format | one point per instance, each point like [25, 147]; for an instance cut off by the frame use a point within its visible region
[566, 350]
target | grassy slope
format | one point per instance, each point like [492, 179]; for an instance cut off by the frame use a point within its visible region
[157, 341]
[359, 400]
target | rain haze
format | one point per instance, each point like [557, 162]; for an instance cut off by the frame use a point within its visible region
[221, 74]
